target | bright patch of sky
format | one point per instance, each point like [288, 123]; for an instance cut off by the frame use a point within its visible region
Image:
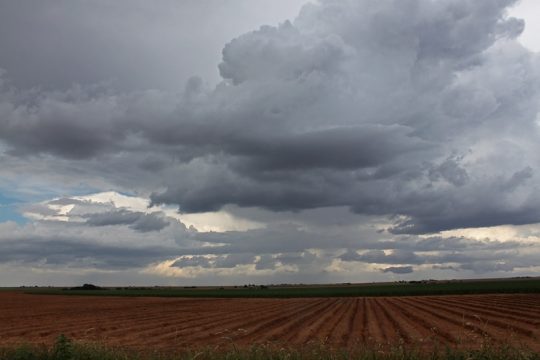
[529, 10]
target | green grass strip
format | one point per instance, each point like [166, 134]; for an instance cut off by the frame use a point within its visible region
[507, 286]
[66, 349]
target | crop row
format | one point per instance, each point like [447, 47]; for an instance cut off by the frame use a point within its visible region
[457, 321]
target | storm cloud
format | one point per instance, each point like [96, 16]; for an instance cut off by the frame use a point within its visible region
[418, 116]
[389, 109]
[136, 220]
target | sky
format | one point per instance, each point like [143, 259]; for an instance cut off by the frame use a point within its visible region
[226, 142]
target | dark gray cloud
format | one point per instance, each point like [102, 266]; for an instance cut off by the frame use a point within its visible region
[78, 232]
[273, 239]
[285, 244]
[314, 145]
[40, 209]
[136, 220]
[228, 261]
[398, 269]
[232, 260]
[452, 253]
[67, 241]
[61, 251]
[481, 267]
[397, 256]
[425, 112]
[303, 260]
[192, 261]
[266, 262]
[97, 214]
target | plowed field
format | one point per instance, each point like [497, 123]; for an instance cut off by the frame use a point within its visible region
[175, 322]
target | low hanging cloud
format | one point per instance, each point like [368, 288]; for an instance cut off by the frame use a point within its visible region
[288, 249]
[425, 112]
[398, 269]
[136, 220]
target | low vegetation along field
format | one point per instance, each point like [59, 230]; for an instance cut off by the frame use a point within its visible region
[426, 287]
[141, 323]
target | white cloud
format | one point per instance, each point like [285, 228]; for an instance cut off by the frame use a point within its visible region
[529, 10]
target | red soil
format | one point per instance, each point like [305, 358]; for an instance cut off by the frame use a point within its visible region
[464, 321]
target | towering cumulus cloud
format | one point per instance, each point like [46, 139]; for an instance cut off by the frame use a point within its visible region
[422, 109]
[426, 111]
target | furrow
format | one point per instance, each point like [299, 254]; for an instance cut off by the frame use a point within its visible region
[506, 312]
[95, 327]
[324, 325]
[403, 329]
[354, 325]
[222, 331]
[497, 327]
[365, 321]
[441, 328]
[419, 329]
[493, 318]
[341, 332]
[375, 332]
[312, 326]
[291, 326]
[450, 316]
[245, 328]
[529, 303]
[196, 323]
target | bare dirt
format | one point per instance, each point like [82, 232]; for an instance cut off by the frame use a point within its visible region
[428, 321]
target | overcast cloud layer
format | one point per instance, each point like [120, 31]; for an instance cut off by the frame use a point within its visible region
[400, 121]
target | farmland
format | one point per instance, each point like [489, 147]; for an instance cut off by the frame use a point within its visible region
[463, 321]
[454, 287]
